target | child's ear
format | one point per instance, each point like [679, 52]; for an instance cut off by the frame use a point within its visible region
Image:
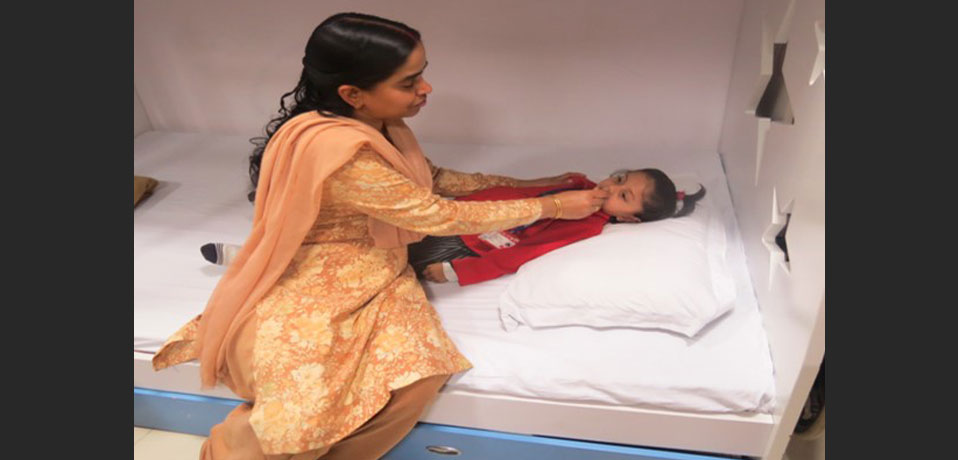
[628, 218]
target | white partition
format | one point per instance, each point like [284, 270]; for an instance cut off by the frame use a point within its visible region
[652, 75]
[141, 123]
[775, 166]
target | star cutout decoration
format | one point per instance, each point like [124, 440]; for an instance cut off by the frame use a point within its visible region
[775, 233]
[771, 101]
[819, 67]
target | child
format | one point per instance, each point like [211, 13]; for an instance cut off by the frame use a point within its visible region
[642, 195]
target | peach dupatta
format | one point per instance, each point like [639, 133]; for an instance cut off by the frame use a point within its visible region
[296, 162]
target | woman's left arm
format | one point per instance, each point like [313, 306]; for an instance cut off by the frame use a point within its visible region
[370, 185]
[451, 183]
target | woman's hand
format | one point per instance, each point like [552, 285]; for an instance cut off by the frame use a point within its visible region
[562, 179]
[433, 272]
[575, 204]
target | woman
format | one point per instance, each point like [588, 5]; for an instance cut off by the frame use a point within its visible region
[320, 322]
[640, 195]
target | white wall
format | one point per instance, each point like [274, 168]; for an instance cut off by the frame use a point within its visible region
[792, 169]
[141, 123]
[649, 74]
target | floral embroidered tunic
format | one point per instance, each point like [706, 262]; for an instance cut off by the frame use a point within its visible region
[348, 322]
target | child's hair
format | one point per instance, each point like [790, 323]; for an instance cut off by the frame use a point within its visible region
[663, 201]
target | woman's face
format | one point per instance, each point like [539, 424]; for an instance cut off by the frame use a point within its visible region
[626, 193]
[403, 93]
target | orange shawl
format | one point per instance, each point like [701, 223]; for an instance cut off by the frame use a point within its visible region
[299, 157]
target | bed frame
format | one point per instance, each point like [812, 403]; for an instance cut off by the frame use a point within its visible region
[775, 170]
[181, 406]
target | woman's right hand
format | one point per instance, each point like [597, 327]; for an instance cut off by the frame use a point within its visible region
[576, 204]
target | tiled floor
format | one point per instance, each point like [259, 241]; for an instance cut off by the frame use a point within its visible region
[165, 445]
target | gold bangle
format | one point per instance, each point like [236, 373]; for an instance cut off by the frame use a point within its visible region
[558, 207]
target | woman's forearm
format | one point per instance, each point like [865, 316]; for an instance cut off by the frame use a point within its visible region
[548, 207]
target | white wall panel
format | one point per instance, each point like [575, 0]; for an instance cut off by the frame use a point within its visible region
[652, 75]
[789, 168]
[141, 123]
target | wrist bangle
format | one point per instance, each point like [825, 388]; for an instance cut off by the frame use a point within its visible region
[558, 207]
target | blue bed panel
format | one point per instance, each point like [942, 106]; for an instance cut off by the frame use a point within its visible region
[179, 412]
[436, 442]
[193, 414]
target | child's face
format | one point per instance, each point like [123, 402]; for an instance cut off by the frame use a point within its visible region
[626, 193]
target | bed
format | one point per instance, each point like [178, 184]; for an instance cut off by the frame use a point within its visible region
[551, 375]
[735, 390]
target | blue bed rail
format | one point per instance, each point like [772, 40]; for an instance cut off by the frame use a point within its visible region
[194, 414]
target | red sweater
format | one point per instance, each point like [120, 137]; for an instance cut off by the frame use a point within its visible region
[529, 241]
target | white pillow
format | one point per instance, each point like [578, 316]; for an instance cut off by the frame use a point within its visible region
[669, 274]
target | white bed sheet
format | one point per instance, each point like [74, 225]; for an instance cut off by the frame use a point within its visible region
[201, 198]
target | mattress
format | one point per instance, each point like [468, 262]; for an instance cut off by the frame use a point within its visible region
[201, 197]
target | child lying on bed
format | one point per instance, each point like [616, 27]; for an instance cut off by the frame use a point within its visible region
[642, 195]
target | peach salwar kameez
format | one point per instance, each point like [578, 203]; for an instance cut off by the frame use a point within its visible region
[346, 325]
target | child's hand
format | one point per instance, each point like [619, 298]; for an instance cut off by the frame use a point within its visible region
[433, 272]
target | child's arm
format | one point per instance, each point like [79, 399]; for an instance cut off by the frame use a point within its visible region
[471, 270]
[440, 272]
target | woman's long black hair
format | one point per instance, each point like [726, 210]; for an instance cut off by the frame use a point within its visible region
[345, 49]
